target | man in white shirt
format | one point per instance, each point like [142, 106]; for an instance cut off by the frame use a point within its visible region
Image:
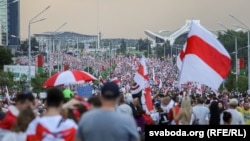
[201, 112]
[124, 107]
[167, 103]
[237, 117]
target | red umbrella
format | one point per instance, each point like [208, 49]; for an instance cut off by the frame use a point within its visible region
[68, 77]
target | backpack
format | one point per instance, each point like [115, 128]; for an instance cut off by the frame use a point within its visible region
[196, 120]
[148, 120]
[164, 119]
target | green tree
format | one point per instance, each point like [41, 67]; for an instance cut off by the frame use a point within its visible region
[89, 70]
[228, 40]
[242, 83]
[230, 83]
[38, 81]
[5, 57]
[34, 45]
[7, 79]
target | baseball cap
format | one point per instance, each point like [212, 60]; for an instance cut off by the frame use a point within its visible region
[110, 90]
[157, 104]
[233, 102]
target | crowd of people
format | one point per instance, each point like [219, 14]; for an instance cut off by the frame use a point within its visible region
[116, 111]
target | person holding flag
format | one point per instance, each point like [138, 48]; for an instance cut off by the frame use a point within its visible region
[142, 79]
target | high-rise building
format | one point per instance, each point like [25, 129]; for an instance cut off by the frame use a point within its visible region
[10, 23]
[3, 21]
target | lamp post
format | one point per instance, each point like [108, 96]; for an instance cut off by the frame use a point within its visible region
[236, 55]
[98, 33]
[248, 45]
[29, 49]
[52, 35]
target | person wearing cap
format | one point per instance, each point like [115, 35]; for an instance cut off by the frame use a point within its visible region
[124, 107]
[237, 118]
[105, 123]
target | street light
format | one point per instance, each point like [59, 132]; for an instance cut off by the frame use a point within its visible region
[29, 50]
[98, 34]
[49, 56]
[236, 55]
[248, 45]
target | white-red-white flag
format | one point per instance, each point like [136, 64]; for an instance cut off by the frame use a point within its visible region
[142, 79]
[205, 60]
[180, 57]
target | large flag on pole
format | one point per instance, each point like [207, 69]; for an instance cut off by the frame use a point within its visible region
[142, 79]
[205, 59]
[180, 57]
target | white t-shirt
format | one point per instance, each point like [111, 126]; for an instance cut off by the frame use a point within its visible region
[168, 107]
[155, 116]
[237, 117]
[51, 128]
[12, 136]
[125, 108]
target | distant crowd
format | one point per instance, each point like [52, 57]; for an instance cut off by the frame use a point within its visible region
[116, 110]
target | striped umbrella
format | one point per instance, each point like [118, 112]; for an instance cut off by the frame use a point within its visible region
[68, 77]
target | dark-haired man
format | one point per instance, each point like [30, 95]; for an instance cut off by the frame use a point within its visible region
[22, 101]
[201, 112]
[106, 124]
[94, 102]
[52, 126]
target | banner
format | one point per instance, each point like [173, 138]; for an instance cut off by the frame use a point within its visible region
[85, 91]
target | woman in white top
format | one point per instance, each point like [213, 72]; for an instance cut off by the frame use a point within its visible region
[18, 131]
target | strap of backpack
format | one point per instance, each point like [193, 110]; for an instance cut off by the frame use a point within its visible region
[60, 122]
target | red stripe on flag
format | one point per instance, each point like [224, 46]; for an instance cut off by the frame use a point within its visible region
[182, 54]
[148, 99]
[141, 72]
[212, 57]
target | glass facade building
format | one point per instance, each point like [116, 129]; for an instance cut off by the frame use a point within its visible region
[10, 23]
